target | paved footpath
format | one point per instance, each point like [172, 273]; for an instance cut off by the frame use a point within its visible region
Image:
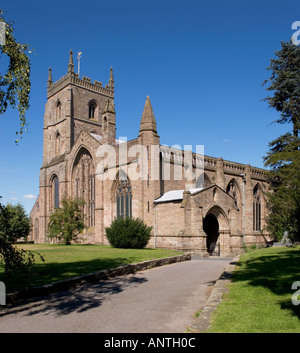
[160, 300]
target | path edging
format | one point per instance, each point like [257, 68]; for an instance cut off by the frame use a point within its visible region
[202, 323]
[92, 278]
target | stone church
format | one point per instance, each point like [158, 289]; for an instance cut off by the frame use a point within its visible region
[217, 211]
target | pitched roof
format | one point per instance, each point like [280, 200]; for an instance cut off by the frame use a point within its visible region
[174, 195]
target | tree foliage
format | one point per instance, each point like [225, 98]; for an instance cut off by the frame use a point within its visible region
[67, 221]
[284, 200]
[14, 222]
[284, 152]
[285, 82]
[14, 259]
[128, 232]
[15, 83]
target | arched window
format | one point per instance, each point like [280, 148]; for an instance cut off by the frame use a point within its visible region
[215, 194]
[203, 181]
[57, 143]
[55, 188]
[123, 197]
[233, 190]
[58, 110]
[92, 109]
[256, 209]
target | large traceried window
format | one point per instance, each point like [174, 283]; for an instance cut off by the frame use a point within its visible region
[123, 197]
[256, 209]
[83, 183]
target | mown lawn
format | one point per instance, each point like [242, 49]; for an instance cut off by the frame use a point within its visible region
[65, 261]
[259, 297]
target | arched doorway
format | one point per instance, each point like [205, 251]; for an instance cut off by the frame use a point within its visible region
[216, 228]
[211, 228]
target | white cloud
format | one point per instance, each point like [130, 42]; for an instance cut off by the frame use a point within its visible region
[225, 140]
[29, 196]
[14, 198]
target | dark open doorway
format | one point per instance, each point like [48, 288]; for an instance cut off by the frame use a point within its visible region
[211, 228]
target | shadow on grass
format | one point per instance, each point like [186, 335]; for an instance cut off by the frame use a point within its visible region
[45, 273]
[76, 299]
[276, 270]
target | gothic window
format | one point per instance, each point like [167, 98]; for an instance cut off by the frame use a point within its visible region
[124, 198]
[55, 187]
[203, 181]
[58, 110]
[256, 209]
[215, 194]
[232, 190]
[57, 143]
[92, 109]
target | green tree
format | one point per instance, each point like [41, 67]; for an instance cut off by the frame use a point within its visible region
[284, 155]
[67, 221]
[15, 82]
[14, 222]
[14, 259]
[285, 82]
[284, 200]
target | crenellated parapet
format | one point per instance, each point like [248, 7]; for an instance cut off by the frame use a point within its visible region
[85, 82]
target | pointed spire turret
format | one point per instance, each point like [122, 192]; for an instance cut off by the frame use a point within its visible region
[71, 63]
[148, 122]
[49, 82]
[111, 81]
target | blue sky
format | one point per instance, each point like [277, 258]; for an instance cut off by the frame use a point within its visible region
[201, 62]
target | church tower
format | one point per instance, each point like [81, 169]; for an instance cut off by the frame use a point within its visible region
[77, 112]
[74, 104]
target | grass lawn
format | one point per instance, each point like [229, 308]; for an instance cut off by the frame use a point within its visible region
[259, 297]
[65, 261]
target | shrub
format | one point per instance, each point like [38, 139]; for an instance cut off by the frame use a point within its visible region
[127, 232]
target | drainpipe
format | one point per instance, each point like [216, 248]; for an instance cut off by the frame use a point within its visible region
[154, 225]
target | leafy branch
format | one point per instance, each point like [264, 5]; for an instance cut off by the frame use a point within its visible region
[15, 83]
